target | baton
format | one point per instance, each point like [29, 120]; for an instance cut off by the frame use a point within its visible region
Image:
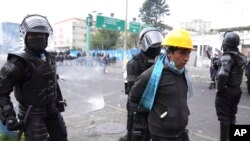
[19, 134]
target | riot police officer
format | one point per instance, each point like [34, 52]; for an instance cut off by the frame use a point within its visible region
[214, 67]
[32, 74]
[229, 80]
[150, 43]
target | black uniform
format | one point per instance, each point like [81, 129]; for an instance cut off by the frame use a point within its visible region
[138, 64]
[32, 74]
[229, 80]
[137, 125]
[35, 83]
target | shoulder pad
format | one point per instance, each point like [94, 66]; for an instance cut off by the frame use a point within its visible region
[134, 60]
[132, 66]
[227, 60]
[23, 55]
[9, 69]
[136, 57]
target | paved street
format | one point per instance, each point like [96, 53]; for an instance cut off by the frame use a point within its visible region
[96, 104]
[96, 110]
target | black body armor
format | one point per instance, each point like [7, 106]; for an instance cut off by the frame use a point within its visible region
[229, 80]
[135, 67]
[232, 68]
[42, 82]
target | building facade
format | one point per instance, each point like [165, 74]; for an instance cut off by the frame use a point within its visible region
[70, 34]
[9, 37]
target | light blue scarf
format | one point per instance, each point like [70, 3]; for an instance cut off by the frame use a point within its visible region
[149, 93]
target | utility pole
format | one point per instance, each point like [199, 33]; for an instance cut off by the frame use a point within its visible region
[125, 39]
[89, 20]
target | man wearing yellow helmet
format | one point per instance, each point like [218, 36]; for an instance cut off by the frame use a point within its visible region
[163, 89]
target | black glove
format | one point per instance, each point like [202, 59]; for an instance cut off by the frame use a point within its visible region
[12, 124]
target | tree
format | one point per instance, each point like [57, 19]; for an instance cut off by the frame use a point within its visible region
[105, 39]
[133, 40]
[153, 11]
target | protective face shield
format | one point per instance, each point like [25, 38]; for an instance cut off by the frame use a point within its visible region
[35, 24]
[150, 38]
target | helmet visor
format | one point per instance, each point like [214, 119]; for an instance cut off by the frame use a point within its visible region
[35, 23]
[40, 29]
[151, 39]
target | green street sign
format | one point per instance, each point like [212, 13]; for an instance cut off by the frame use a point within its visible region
[134, 27]
[110, 23]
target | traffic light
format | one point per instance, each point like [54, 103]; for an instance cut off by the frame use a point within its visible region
[89, 20]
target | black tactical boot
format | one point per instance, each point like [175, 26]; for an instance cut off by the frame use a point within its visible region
[224, 131]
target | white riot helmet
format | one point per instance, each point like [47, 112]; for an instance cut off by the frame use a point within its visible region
[35, 24]
[150, 38]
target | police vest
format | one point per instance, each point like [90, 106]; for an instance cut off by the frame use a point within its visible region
[137, 65]
[42, 83]
[236, 74]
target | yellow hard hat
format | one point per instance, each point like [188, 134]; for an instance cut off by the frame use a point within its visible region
[178, 38]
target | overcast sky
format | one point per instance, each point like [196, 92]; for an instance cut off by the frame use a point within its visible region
[221, 13]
